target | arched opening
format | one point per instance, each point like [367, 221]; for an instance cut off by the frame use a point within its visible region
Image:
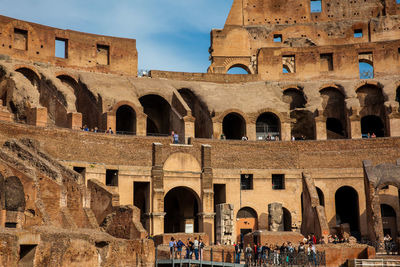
[14, 194]
[268, 126]
[321, 197]
[389, 220]
[85, 103]
[246, 222]
[294, 97]
[372, 125]
[398, 96]
[238, 69]
[334, 128]
[126, 120]
[366, 69]
[234, 126]
[181, 206]
[347, 209]
[372, 101]
[158, 113]
[30, 75]
[287, 220]
[203, 123]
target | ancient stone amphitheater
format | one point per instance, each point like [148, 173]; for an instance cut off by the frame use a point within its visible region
[319, 107]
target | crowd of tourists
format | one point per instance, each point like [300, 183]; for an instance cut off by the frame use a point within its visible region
[85, 128]
[188, 250]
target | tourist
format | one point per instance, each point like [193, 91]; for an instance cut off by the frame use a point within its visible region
[293, 138]
[255, 251]
[387, 240]
[85, 128]
[265, 253]
[96, 130]
[373, 135]
[238, 251]
[312, 254]
[245, 138]
[277, 255]
[189, 248]
[109, 131]
[172, 246]
[179, 246]
[175, 137]
[301, 248]
[201, 246]
[259, 253]
[196, 248]
[222, 136]
[248, 254]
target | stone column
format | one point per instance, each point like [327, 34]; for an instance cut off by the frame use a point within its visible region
[217, 129]
[37, 116]
[394, 124]
[320, 127]
[286, 131]
[141, 125]
[189, 122]
[354, 127]
[74, 120]
[109, 120]
[206, 217]
[157, 177]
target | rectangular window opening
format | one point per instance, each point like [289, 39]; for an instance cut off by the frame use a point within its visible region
[277, 38]
[316, 6]
[141, 199]
[278, 181]
[326, 62]
[103, 54]
[246, 181]
[20, 39]
[81, 171]
[27, 255]
[61, 48]
[10, 225]
[112, 177]
[358, 33]
[288, 64]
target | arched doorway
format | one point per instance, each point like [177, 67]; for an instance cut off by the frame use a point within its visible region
[246, 222]
[234, 126]
[347, 209]
[372, 124]
[321, 197]
[126, 120]
[158, 113]
[334, 128]
[333, 105]
[294, 97]
[389, 220]
[203, 126]
[287, 220]
[268, 124]
[181, 205]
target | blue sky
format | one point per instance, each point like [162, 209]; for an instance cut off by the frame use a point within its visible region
[171, 34]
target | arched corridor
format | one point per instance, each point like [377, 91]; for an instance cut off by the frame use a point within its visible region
[268, 124]
[246, 222]
[125, 120]
[347, 208]
[181, 206]
[158, 113]
[234, 126]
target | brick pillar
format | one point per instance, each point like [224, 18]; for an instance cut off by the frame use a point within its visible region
[286, 131]
[141, 125]
[74, 120]
[354, 127]
[251, 131]
[206, 217]
[157, 177]
[108, 120]
[37, 116]
[217, 129]
[320, 127]
[394, 124]
[189, 127]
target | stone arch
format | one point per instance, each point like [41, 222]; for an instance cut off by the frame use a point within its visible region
[30, 73]
[334, 110]
[14, 194]
[234, 126]
[246, 222]
[295, 97]
[347, 208]
[203, 124]
[182, 162]
[241, 66]
[158, 111]
[125, 120]
[238, 62]
[268, 125]
[181, 205]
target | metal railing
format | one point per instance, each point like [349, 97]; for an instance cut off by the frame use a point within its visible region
[288, 259]
[374, 262]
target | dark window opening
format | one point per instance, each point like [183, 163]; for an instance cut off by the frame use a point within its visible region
[277, 38]
[234, 126]
[81, 171]
[219, 194]
[126, 120]
[268, 127]
[158, 113]
[278, 181]
[103, 54]
[372, 125]
[326, 62]
[347, 210]
[387, 211]
[61, 50]
[26, 255]
[20, 39]
[287, 220]
[358, 33]
[246, 181]
[334, 128]
[10, 225]
[321, 197]
[141, 199]
[112, 177]
[316, 6]
[385, 187]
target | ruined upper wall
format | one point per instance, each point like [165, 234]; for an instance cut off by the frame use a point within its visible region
[37, 43]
